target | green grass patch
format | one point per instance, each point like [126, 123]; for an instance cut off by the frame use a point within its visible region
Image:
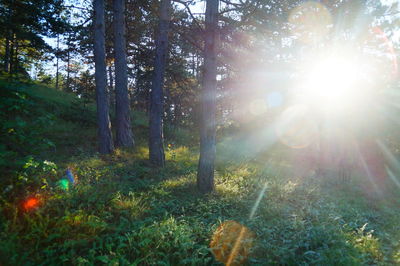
[121, 211]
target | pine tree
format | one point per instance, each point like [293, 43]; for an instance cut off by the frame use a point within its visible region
[104, 126]
[124, 136]
[156, 141]
[205, 174]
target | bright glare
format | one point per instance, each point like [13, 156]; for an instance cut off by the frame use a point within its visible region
[333, 84]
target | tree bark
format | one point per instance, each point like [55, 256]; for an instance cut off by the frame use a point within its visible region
[205, 173]
[68, 70]
[123, 118]
[9, 41]
[156, 141]
[11, 60]
[7, 55]
[103, 117]
[58, 50]
[16, 65]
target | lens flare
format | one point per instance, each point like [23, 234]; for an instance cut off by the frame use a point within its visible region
[296, 128]
[31, 204]
[70, 176]
[274, 99]
[382, 47]
[231, 243]
[63, 184]
[333, 84]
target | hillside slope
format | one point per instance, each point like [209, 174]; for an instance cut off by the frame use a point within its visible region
[120, 211]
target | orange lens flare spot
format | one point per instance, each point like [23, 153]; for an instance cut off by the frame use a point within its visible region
[231, 243]
[31, 204]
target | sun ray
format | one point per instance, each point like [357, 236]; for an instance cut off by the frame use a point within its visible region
[368, 172]
[393, 162]
[392, 176]
[258, 200]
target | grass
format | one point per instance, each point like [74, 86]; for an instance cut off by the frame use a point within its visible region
[123, 212]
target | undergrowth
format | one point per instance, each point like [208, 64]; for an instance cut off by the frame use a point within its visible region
[121, 211]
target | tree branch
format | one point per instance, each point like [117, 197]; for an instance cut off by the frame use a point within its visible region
[186, 4]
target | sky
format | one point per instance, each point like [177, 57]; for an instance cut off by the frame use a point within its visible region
[197, 8]
[50, 68]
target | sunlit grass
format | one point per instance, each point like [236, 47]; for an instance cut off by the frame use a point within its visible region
[304, 212]
[132, 203]
[124, 211]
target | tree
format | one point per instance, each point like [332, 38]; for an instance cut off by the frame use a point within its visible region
[205, 173]
[156, 141]
[103, 117]
[23, 31]
[123, 119]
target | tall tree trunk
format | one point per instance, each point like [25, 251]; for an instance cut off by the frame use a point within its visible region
[7, 55]
[58, 49]
[68, 70]
[205, 173]
[178, 114]
[123, 118]
[68, 82]
[16, 65]
[156, 142]
[103, 117]
[9, 42]
[11, 62]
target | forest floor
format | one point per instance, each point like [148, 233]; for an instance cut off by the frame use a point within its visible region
[120, 211]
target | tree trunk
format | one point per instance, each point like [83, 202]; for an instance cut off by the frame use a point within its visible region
[68, 70]
[16, 65]
[7, 55]
[156, 142]
[103, 117]
[205, 173]
[11, 60]
[177, 114]
[58, 49]
[123, 118]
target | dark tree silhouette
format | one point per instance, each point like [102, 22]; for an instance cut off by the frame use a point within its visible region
[103, 118]
[156, 149]
[124, 136]
[205, 174]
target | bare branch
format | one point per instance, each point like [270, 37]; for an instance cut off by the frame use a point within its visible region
[77, 7]
[186, 4]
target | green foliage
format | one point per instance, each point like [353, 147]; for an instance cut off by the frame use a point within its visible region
[25, 23]
[168, 242]
[121, 211]
[22, 123]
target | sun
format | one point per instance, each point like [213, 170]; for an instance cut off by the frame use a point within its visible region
[333, 83]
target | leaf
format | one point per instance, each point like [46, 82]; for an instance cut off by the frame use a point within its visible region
[103, 258]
